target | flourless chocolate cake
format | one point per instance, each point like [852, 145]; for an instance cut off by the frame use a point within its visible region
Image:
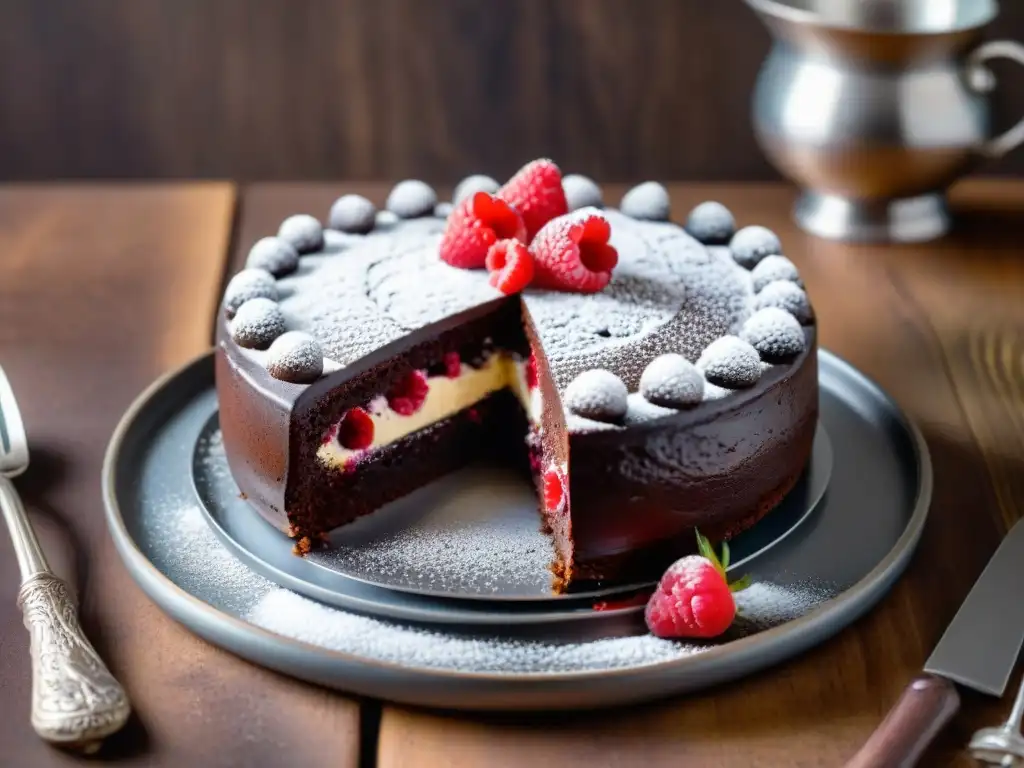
[650, 377]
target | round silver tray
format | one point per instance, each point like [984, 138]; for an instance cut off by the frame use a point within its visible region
[466, 549]
[819, 577]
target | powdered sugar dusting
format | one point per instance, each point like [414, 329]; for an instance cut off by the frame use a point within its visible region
[761, 606]
[175, 535]
[669, 293]
[437, 554]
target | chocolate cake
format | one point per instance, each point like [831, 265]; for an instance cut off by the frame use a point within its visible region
[355, 364]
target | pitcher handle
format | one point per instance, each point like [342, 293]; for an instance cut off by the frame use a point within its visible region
[981, 79]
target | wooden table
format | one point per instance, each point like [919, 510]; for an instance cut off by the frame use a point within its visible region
[104, 287]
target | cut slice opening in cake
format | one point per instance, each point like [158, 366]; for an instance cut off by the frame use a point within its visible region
[466, 391]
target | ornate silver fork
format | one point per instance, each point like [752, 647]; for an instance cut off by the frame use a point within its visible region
[1004, 745]
[76, 702]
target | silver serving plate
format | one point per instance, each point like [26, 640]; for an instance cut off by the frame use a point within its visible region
[839, 562]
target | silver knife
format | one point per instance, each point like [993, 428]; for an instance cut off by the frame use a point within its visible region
[978, 650]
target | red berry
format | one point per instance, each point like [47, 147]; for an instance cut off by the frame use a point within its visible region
[452, 365]
[511, 266]
[693, 599]
[531, 371]
[355, 430]
[572, 254]
[479, 221]
[406, 396]
[536, 192]
[554, 490]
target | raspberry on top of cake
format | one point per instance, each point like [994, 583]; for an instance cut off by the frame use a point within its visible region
[645, 371]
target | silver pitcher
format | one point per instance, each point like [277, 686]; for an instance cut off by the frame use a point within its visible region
[875, 107]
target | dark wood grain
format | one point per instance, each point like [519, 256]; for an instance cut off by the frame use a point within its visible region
[912, 724]
[104, 288]
[318, 89]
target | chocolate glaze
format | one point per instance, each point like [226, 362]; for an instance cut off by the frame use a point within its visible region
[636, 492]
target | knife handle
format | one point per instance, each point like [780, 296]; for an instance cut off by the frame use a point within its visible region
[926, 705]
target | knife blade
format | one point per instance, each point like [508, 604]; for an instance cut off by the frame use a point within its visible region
[978, 650]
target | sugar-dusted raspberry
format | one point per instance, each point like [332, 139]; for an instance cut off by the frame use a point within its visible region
[511, 266]
[694, 597]
[474, 226]
[406, 396]
[536, 192]
[571, 253]
[355, 430]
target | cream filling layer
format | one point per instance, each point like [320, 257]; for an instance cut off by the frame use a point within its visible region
[445, 397]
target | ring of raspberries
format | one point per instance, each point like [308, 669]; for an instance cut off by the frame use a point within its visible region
[524, 235]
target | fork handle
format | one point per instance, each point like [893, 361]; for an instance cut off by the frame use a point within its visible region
[31, 559]
[76, 702]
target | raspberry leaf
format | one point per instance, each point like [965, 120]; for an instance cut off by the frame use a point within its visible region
[741, 583]
[725, 555]
[706, 550]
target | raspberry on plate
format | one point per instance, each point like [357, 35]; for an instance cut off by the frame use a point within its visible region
[475, 225]
[407, 395]
[694, 598]
[511, 266]
[571, 253]
[536, 191]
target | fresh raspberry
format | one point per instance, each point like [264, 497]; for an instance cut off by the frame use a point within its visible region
[572, 253]
[406, 396]
[536, 192]
[693, 598]
[474, 226]
[452, 365]
[511, 266]
[355, 430]
[554, 490]
[531, 371]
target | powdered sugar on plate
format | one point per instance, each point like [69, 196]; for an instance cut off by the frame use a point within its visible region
[290, 615]
[450, 538]
[172, 531]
